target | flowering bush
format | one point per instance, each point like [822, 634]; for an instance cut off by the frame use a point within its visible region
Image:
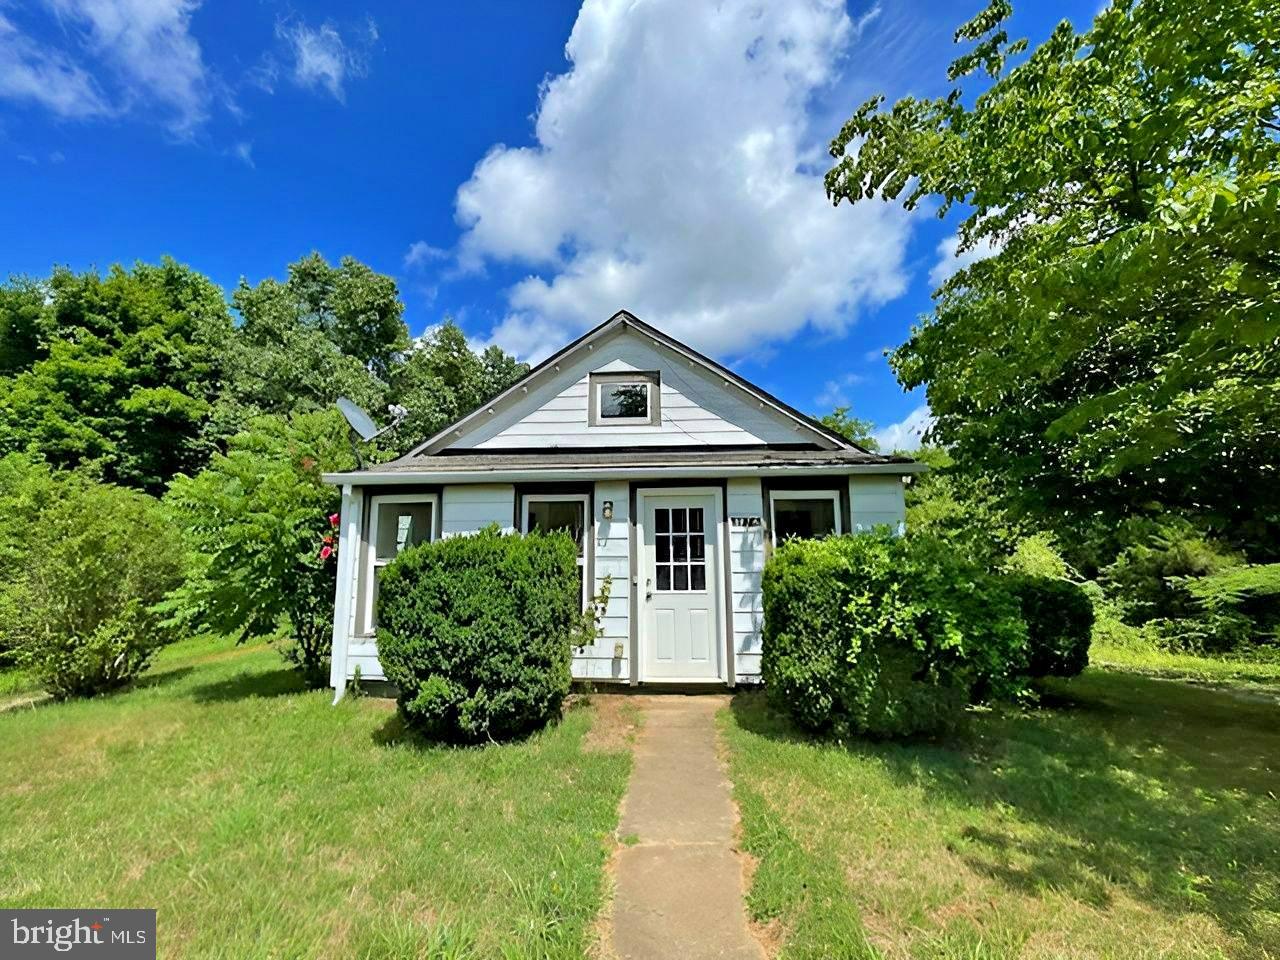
[251, 518]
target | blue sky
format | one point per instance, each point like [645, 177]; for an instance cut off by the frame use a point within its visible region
[527, 168]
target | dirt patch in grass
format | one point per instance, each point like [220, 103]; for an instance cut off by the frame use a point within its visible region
[615, 721]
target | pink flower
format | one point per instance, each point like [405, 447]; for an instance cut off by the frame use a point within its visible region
[333, 519]
[326, 552]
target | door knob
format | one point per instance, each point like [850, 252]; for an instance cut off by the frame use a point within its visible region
[648, 588]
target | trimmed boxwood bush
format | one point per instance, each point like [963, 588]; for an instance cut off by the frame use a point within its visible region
[476, 632]
[885, 636]
[1059, 618]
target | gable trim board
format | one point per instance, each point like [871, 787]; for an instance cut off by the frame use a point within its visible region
[476, 485]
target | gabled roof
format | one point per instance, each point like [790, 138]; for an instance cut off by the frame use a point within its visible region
[624, 318]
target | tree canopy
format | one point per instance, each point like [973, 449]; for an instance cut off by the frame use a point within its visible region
[118, 373]
[1118, 353]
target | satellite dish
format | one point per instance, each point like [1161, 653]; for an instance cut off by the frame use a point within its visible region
[360, 421]
[362, 424]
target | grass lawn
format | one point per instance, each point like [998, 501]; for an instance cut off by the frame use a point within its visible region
[1130, 818]
[262, 822]
[1262, 666]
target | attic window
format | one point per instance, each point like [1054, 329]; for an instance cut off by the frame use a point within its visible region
[625, 399]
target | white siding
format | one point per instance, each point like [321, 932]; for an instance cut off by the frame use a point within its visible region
[746, 563]
[697, 407]
[611, 546]
[877, 501]
[468, 508]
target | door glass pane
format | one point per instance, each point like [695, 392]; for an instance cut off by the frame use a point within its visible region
[663, 545]
[679, 548]
[697, 577]
[804, 518]
[680, 575]
[663, 574]
[566, 515]
[695, 519]
[662, 519]
[697, 544]
[401, 525]
[678, 517]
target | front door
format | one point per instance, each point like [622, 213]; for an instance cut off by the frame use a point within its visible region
[680, 588]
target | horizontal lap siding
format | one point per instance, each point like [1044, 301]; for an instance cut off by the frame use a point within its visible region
[877, 501]
[468, 508]
[697, 407]
[746, 562]
[611, 547]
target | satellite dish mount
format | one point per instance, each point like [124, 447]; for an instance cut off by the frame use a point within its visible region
[362, 426]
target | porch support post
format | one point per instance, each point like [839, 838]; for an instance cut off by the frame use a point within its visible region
[348, 550]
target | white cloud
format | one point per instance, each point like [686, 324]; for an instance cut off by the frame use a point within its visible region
[675, 174]
[908, 434]
[420, 253]
[244, 153]
[321, 57]
[38, 74]
[950, 262]
[149, 47]
[835, 393]
[131, 53]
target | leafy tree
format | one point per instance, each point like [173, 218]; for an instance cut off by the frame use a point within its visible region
[323, 333]
[256, 519]
[23, 325]
[1118, 354]
[854, 429]
[442, 379]
[118, 372]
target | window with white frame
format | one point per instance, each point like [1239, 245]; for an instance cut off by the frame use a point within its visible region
[560, 511]
[625, 399]
[804, 513]
[396, 522]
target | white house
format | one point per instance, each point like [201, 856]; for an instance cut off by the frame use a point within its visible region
[676, 475]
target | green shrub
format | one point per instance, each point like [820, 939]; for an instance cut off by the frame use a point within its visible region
[1059, 618]
[884, 635]
[1149, 579]
[101, 558]
[26, 488]
[476, 632]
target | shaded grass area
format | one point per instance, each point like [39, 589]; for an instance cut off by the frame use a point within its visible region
[262, 822]
[1260, 666]
[1127, 818]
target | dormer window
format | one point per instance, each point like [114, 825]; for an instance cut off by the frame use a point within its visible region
[625, 399]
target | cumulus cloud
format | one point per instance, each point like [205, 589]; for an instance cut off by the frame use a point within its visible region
[675, 173]
[950, 261]
[322, 57]
[907, 434]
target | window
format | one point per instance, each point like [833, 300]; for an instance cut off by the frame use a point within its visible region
[804, 513]
[560, 511]
[679, 550]
[395, 522]
[625, 399]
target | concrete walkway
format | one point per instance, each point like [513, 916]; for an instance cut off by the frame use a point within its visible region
[679, 888]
